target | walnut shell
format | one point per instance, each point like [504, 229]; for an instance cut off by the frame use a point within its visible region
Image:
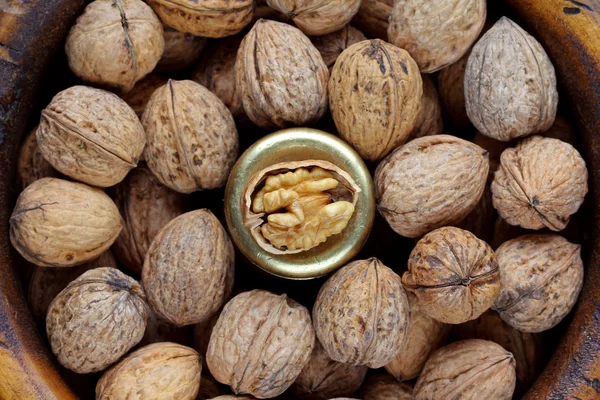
[470, 369]
[540, 183]
[451, 90]
[57, 223]
[542, 275]
[181, 50]
[192, 139]
[146, 207]
[90, 135]
[510, 84]
[451, 175]
[155, 372]
[260, 343]
[209, 18]
[31, 164]
[454, 275]
[280, 76]
[372, 18]
[480, 220]
[361, 314]
[96, 320]
[381, 386]
[375, 95]
[429, 121]
[189, 268]
[115, 43]
[333, 44]
[138, 97]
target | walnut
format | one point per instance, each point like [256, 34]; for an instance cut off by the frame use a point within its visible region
[429, 121]
[260, 343]
[375, 95]
[304, 202]
[138, 97]
[381, 386]
[181, 50]
[189, 268]
[192, 139]
[96, 320]
[540, 183]
[146, 207]
[453, 274]
[90, 135]
[480, 221]
[436, 34]
[451, 90]
[542, 275]
[157, 371]
[115, 43]
[333, 44]
[322, 378]
[31, 164]
[281, 77]
[510, 84]
[470, 369]
[430, 182]
[361, 314]
[209, 18]
[372, 18]
[316, 17]
[158, 330]
[57, 223]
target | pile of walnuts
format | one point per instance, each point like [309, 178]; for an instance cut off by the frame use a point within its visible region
[133, 281]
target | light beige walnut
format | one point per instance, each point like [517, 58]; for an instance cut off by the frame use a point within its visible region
[372, 18]
[381, 386]
[96, 320]
[260, 343]
[138, 97]
[115, 43]
[181, 50]
[57, 223]
[451, 89]
[333, 44]
[31, 164]
[429, 121]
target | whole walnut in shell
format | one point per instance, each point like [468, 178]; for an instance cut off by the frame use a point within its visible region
[333, 44]
[361, 314]
[381, 386]
[451, 175]
[96, 320]
[510, 84]
[540, 183]
[429, 121]
[115, 43]
[57, 223]
[375, 95]
[31, 164]
[372, 18]
[451, 90]
[542, 275]
[260, 343]
[181, 50]
[189, 268]
[138, 97]
[454, 275]
[90, 135]
[280, 76]
[155, 372]
[192, 138]
[469, 369]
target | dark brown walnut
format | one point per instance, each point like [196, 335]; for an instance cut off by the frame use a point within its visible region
[158, 330]
[322, 378]
[210, 388]
[31, 164]
[115, 43]
[381, 386]
[454, 275]
[372, 18]
[96, 320]
[480, 221]
[57, 223]
[280, 76]
[469, 369]
[192, 139]
[146, 207]
[260, 343]
[429, 121]
[375, 95]
[540, 183]
[542, 276]
[361, 314]
[333, 44]
[451, 89]
[138, 97]
[181, 50]
[189, 269]
[430, 182]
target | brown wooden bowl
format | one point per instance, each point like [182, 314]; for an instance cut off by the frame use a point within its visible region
[33, 32]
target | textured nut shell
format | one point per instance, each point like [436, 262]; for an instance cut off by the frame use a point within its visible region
[138, 97]
[192, 139]
[181, 50]
[470, 369]
[429, 121]
[451, 89]
[189, 268]
[332, 45]
[510, 84]
[209, 18]
[96, 320]
[57, 223]
[542, 275]
[146, 207]
[372, 18]
[90, 135]
[454, 275]
[115, 43]
[31, 164]
[322, 378]
[451, 173]
[480, 221]
[260, 343]
[382, 386]
[280, 76]
[375, 95]
[361, 314]
[540, 183]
